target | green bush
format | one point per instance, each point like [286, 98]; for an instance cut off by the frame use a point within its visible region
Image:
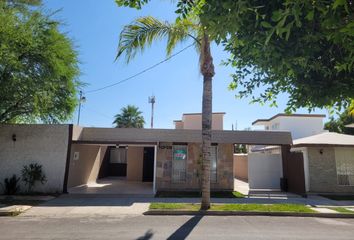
[11, 186]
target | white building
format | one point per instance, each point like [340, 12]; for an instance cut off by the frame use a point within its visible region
[300, 125]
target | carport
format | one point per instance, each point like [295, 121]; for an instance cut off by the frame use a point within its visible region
[111, 168]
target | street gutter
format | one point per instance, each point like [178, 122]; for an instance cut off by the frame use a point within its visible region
[241, 213]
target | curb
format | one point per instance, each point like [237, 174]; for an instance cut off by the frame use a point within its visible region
[235, 213]
[13, 210]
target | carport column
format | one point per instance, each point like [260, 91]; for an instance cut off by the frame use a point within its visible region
[155, 160]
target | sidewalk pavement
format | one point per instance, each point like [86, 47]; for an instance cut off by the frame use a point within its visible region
[77, 205]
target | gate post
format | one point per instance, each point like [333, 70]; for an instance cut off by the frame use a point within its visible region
[285, 151]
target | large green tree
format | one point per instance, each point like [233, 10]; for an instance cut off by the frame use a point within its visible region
[300, 47]
[129, 117]
[38, 66]
[339, 124]
[143, 31]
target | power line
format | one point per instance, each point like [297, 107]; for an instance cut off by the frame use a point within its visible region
[141, 72]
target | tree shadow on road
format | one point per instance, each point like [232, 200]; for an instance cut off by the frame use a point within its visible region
[148, 235]
[183, 231]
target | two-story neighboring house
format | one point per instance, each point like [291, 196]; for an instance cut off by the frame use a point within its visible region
[300, 125]
[194, 121]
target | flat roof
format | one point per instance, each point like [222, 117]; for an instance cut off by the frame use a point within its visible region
[325, 139]
[350, 125]
[287, 115]
[140, 135]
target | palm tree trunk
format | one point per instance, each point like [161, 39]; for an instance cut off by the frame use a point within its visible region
[207, 69]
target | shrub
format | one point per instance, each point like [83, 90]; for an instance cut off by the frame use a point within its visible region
[32, 174]
[11, 186]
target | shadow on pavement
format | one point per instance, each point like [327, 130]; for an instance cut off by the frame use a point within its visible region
[148, 235]
[183, 231]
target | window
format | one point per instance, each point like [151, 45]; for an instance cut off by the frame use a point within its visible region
[118, 155]
[179, 160]
[275, 126]
[213, 164]
[345, 166]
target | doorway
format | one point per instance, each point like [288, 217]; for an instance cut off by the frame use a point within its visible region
[148, 164]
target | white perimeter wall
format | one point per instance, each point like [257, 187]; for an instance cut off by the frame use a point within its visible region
[264, 170]
[43, 144]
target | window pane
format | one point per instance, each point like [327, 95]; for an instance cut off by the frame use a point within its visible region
[179, 163]
[213, 164]
[345, 166]
[118, 155]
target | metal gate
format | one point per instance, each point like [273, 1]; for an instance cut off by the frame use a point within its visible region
[293, 171]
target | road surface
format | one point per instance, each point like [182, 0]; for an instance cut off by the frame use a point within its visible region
[175, 227]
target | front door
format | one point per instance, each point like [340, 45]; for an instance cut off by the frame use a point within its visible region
[148, 164]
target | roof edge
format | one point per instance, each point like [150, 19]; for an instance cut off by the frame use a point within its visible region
[288, 115]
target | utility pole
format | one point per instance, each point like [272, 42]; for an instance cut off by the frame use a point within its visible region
[81, 100]
[152, 101]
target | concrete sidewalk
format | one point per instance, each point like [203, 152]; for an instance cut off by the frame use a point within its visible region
[76, 205]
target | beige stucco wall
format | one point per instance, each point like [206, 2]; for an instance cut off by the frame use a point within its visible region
[43, 144]
[195, 121]
[179, 125]
[193, 168]
[86, 168]
[241, 166]
[323, 173]
[135, 163]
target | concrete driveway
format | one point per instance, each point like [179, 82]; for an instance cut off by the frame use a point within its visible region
[89, 205]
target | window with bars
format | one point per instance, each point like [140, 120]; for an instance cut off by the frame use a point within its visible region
[118, 155]
[213, 164]
[345, 166]
[179, 161]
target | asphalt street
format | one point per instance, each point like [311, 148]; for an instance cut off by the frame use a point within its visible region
[175, 227]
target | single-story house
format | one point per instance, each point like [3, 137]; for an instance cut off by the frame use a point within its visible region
[168, 159]
[328, 162]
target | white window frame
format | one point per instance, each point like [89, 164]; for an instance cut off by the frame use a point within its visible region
[216, 169]
[336, 154]
[185, 164]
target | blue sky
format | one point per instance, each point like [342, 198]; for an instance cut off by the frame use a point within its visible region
[94, 27]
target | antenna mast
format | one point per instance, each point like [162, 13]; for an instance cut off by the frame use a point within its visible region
[152, 100]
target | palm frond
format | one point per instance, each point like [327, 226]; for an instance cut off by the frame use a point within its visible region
[141, 33]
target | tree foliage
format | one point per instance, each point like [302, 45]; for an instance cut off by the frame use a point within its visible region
[129, 117]
[303, 48]
[339, 124]
[38, 66]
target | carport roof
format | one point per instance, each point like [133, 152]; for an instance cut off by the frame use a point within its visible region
[325, 139]
[134, 135]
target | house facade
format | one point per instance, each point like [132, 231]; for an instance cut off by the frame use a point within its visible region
[300, 125]
[168, 159]
[328, 162]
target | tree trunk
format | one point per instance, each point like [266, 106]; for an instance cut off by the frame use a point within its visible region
[207, 69]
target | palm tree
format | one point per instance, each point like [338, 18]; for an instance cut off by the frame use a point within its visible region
[142, 32]
[130, 117]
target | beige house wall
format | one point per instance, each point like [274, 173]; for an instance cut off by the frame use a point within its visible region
[193, 168]
[46, 145]
[241, 166]
[323, 173]
[135, 157]
[195, 121]
[86, 167]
